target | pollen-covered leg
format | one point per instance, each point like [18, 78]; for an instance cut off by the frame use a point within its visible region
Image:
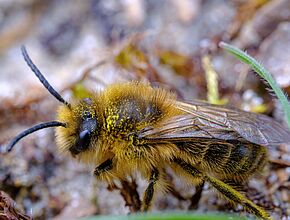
[236, 197]
[149, 192]
[226, 190]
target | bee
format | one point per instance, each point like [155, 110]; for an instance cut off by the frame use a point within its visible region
[133, 127]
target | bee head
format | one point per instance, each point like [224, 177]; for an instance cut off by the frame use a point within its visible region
[77, 125]
[82, 127]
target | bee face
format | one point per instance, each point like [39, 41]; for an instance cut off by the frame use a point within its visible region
[82, 127]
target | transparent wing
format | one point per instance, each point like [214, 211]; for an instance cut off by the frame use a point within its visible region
[186, 127]
[203, 120]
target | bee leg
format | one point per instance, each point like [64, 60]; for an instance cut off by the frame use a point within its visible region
[233, 195]
[104, 167]
[197, 195]
[128, 190]
[226, 190]
[149, 192]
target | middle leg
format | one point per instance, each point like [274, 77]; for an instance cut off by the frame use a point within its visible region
[128, 189]
[149, 192]
[196, 197]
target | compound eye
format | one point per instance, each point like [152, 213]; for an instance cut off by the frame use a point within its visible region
[82, 143]
[88, 130]
[84, 138]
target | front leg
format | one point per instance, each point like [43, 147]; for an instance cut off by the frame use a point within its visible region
[128, 190]
[104, 167]
[149, 192]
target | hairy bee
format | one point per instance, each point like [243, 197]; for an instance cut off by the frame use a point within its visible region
[133, 127]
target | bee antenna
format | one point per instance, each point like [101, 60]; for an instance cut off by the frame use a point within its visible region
[41, 77]
[33, 129]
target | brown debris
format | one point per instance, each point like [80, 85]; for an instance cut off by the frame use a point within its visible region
[263, 23]
[8, 210]
[245, 11]
[274, 56]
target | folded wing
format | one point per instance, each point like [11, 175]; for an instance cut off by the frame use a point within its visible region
[203, 120]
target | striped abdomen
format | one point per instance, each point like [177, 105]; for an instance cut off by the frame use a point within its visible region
[228, 160]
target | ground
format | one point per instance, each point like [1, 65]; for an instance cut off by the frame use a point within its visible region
[163, 42]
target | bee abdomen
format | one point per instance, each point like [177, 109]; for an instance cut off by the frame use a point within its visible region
[229, 160]
[217, 156]
[245, 160]
[207, 154]
[237, 159]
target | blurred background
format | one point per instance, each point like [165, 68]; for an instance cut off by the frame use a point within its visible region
[85, 45]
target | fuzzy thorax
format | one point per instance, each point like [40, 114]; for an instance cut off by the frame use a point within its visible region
[120, 111]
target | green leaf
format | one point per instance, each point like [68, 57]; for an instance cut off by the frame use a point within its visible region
[262, 72]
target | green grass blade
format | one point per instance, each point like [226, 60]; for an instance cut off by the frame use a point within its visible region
[169, 216]
[262, 72]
